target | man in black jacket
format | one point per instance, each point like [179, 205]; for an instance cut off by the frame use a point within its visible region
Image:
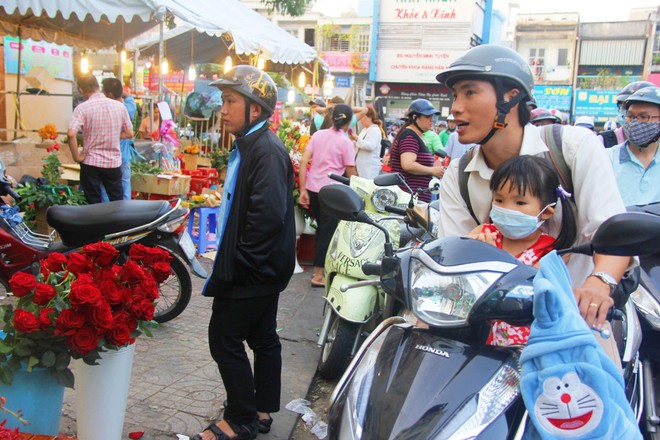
[255, 259]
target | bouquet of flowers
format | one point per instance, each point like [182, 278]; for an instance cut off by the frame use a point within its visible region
[48, 132]
[295, 143]
[78, 306]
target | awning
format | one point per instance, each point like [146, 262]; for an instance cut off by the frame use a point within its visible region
[96, 24]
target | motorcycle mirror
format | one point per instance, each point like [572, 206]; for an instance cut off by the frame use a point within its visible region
[434, 186]
[341, 202]
[389, 179]
[624, 235]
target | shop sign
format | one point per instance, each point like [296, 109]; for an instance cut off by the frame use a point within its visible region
[342, 81]
[432, 92]
[553, 97]
[57, 59]
[346, 61]
[596, 103]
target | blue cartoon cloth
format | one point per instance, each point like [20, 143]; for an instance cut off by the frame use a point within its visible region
[570, 387]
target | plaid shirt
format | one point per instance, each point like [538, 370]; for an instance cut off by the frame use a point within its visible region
[102, 120]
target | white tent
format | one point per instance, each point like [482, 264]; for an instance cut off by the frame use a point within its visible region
[95, 24]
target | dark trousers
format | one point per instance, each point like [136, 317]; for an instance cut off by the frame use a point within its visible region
[324, 231]
[253, 320]
[91, 179]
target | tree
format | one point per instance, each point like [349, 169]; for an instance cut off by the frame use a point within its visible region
[293, 8]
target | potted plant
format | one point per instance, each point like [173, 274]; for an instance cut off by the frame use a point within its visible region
[39, 195]
[80, 306]
[219, 161]
[190, 157]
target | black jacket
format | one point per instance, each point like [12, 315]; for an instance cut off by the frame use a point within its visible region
[257, 253]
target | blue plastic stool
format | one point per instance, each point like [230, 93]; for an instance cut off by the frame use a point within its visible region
[204, 234]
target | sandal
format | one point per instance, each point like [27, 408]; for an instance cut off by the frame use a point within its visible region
[263, 425]
[243, 432]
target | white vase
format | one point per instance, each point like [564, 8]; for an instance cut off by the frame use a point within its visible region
[300, 227]
[101, 395]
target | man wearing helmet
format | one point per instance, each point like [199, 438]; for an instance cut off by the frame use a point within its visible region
[409, 154]
[491, 85]
[255, 258]
[617, 136]
[636, 162]
[542, 116]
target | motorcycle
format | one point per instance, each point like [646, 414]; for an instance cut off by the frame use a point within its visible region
[647, 302]
[119, 223]
[349, 314]
[457, 286]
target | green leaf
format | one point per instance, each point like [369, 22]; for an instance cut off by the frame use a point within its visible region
[147, 332]
[65, 378]
[48, 359]
[6, 375]
[5, 349]
[22, 349]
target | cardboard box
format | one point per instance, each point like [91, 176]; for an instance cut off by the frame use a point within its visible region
[166, 184]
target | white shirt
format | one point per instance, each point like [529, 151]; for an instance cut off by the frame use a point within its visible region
[367, 148]
[594, 185]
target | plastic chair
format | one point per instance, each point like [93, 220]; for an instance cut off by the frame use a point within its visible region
[203, 229]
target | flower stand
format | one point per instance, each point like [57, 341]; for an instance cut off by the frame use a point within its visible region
[101, 394]
[39, 396]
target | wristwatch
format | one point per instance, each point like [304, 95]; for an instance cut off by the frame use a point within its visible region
[607, 279]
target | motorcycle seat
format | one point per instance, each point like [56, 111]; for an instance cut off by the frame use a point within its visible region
[78, 225]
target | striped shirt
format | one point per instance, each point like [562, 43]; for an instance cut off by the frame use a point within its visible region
[409, 142]
[102, 121]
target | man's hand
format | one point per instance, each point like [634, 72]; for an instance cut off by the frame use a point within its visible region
[303, 200]
[593, 300]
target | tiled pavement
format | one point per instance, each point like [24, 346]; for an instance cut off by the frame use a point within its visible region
[175, 385]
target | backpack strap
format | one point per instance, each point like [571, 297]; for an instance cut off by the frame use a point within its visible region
[551, 135]
[463, 180]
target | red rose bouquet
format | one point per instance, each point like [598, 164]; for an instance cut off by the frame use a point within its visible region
[79, 305]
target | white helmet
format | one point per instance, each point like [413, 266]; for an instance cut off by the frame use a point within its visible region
[610, 125]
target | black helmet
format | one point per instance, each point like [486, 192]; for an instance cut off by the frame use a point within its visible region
[421, 107]
[647, 95]
[630, 89]
[498, 65]
[490, 61]
[255, 84]
[542, 114]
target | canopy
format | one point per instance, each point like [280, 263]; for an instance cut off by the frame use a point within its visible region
[96, 24]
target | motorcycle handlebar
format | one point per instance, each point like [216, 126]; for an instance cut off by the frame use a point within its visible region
[395, 210]
[338, 178]
[371, 268]
[6, 189]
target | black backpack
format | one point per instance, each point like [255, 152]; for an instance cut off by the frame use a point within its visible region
[609, 138]
[551, 135]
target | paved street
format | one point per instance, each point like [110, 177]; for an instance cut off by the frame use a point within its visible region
[175, 385]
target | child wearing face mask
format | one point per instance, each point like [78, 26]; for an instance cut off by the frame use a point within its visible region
[526, 191]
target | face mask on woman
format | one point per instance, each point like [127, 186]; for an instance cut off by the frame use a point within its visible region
[515, 225]
[641, 134]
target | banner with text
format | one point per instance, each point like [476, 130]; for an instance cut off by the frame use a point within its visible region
[596, 103]
[554, 97]
[417, 39]
[55, 58]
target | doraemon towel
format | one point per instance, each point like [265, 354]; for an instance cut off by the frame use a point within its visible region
[570, 387]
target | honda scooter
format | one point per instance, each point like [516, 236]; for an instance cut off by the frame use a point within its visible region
[119, 223]
[444, 381]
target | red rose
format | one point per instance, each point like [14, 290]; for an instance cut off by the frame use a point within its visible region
[101, 254]
[69, 322]
[102, 316]
[110, 292]
[128, 320]
[43, 293]
[25, 321]
[55, 262]
[143, 309]
[138, 252]
[78, 264]
[22, 283]
[118, 335]
[84, 294]
[131, 273]
[147, 289]
[161, 271]
[45, 321]
[83, 341]
[148, 255]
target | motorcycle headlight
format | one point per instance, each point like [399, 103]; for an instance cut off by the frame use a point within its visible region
[446, 300]
[647, 306]
[383, 197]
[491, 401]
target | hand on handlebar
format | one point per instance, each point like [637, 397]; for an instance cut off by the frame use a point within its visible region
[594, 301]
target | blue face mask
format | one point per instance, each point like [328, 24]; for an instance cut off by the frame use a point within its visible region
[515, 225]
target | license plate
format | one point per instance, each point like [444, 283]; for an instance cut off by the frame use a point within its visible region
[187, 245]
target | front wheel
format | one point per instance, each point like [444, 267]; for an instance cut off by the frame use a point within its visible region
[175, 292]
[336, 352]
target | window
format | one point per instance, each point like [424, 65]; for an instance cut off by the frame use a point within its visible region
[562, 57]
[536, 57]
[337, 43]
[362, 43]
[310, 37]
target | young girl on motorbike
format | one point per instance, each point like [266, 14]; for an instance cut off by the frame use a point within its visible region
[526, 191]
